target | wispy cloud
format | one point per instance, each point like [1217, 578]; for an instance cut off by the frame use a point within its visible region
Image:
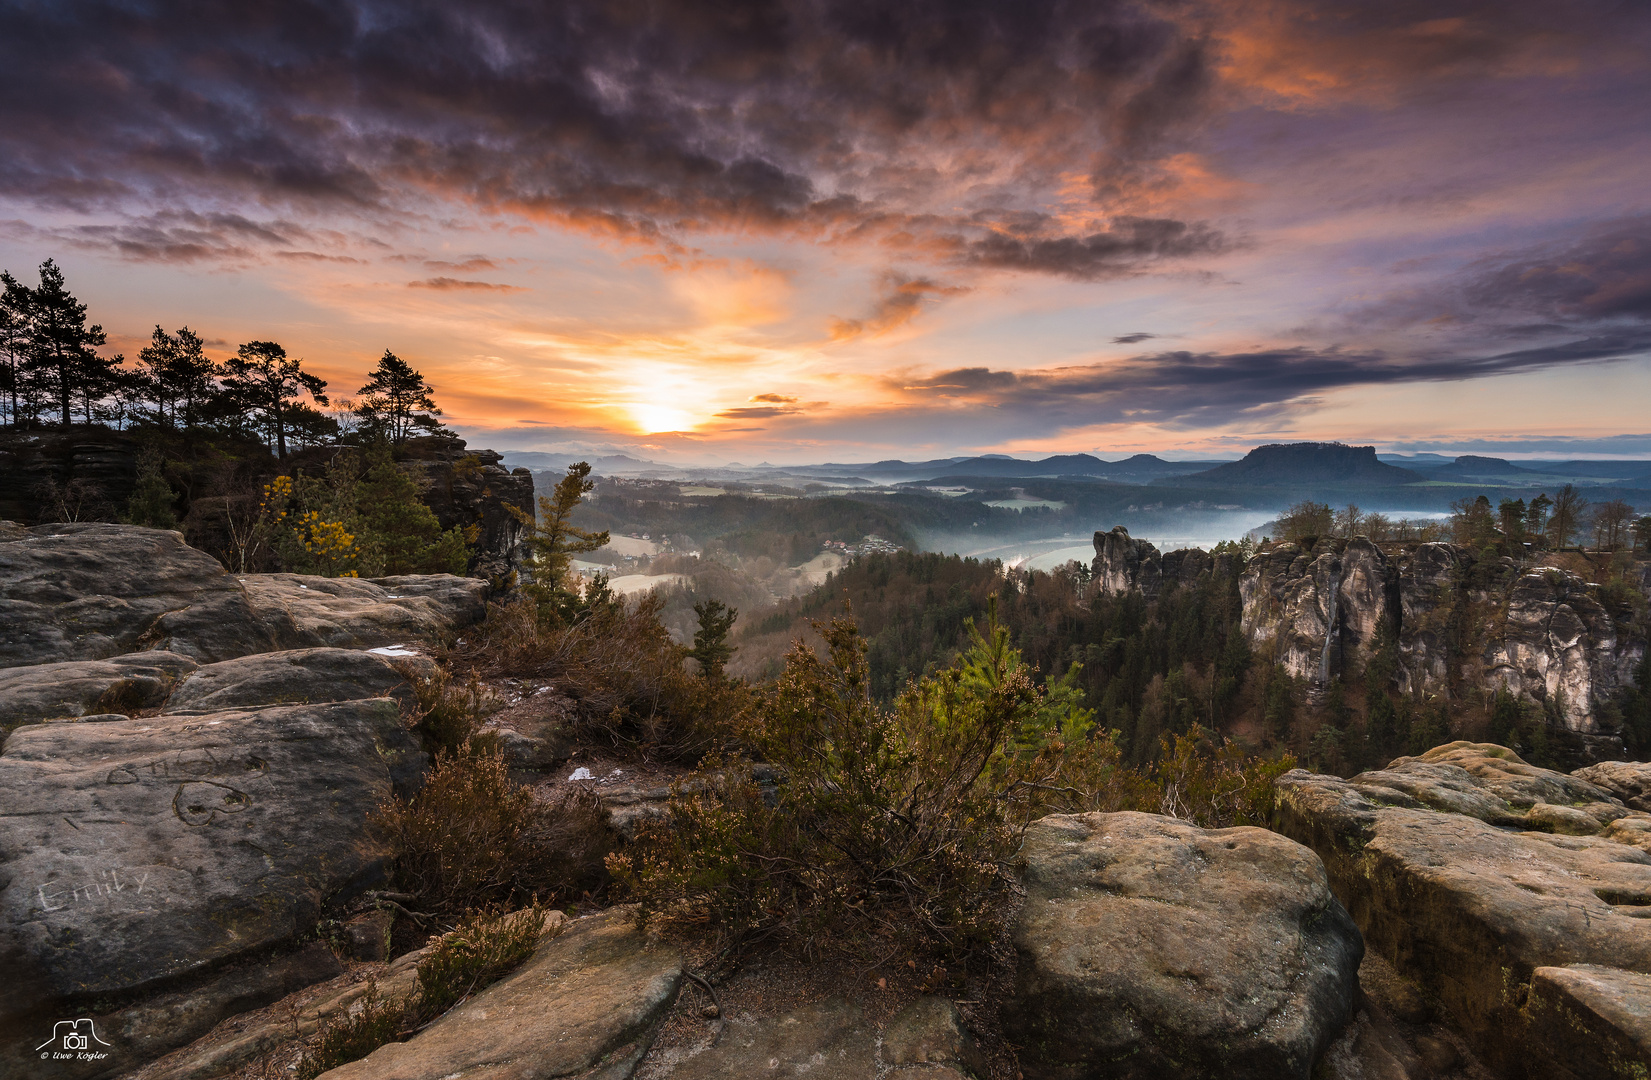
[447, 284]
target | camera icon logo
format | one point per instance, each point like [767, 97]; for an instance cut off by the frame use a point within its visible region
[73, 1035]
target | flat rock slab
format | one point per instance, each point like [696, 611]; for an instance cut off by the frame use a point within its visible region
[79, 687]
[293, 676]
[93, 591]
[586, 1005]
[297, 611]
[1593, 1021]
[1470, 911]
[832, 1040]
[135, 851]
[1150, 947]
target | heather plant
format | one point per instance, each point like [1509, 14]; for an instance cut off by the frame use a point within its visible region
[482, 949]
[891, 828]
[614, 658]
[470, 838]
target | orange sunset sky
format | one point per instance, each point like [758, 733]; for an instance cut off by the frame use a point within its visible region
[846, 231]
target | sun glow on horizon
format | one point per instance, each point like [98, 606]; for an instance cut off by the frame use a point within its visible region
[653, 419]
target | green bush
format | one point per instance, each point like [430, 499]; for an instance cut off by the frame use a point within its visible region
[892, 829]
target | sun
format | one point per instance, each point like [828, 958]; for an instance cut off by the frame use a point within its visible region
[653, 419]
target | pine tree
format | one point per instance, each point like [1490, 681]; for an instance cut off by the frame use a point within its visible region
[402, 532]
[14, 346]
[554, 540]
[396, 400]
[178, 378]
[711, 646]
[61, 344]
[269, 382]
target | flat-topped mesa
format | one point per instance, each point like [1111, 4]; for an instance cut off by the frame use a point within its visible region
[1459, 620]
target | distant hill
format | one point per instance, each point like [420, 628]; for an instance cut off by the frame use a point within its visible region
[1471, 466]
[1287, 464]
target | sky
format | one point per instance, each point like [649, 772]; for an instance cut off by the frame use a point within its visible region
[844, 230]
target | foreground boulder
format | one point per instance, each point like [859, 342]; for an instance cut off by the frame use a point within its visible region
[587, 1004]
[94, 591]
[137, 851]
[294, 676]
[1469, 870]
[1150, 947]
[78, 687]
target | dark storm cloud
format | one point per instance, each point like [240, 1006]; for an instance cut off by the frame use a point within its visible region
[1189, 389]
[1597, 284]
[1605, 276]
[1128, 244]
[640, 118]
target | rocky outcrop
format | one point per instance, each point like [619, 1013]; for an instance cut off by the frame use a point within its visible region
[1471, 871]
[136, 851]
[83, 472]
[471, 490]
[234, 1043]
[587, 1004]
[79, 687]
[1457, 621]
[93, 591]
[1149, 947]
[296, 676]
[1123, 564]
[1629, 781]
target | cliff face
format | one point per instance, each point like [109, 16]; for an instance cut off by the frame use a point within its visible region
[1459, 622]
[470, 488]
[64, 475]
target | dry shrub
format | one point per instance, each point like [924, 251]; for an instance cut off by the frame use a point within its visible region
[468, 838]
[574, 838]
[1216, 786]
[449, 713]
[473, 837]
[617, 662]
[354, 1035]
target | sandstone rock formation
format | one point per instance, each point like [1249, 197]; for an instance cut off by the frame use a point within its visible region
[1457, 620]
[1123, 564]
[587, 1004]
[93, 591]
[1440, 862]
[88, 467]
[294, 676]
[1629, 781]
[138, 850]
[471, 490]
[234, 1043]
[78, 687]
[1151, 948]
